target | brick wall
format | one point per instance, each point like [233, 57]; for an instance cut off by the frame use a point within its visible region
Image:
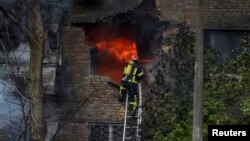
[97, 10]
[74, 132]
[218, 14]
[177, 10]
[103, 104]
[77, 86]
[227, 14]
[75, 64]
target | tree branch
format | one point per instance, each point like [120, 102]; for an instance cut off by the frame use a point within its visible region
[10, 15]
[71, 115]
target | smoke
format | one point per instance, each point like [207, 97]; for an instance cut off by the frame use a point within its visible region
[10, 110]
[21, 54]
[9, 105]
[19, 58]
[149, 76]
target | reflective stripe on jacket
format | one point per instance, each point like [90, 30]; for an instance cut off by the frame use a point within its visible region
[132, 72]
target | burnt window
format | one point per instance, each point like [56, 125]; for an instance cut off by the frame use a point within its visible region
[111, 46]
[94, 61]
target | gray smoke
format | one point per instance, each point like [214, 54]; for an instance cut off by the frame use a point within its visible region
[147, 67]
[9, 105]
[10, 110]
[19, 58]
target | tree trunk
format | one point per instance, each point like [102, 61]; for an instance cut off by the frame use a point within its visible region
[37, 129]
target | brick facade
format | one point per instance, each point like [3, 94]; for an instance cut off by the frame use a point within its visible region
[99, 9]
[74, 132]
[77, 86]
[75, 64]
[102, 105]
[218, 14]
[227, 14]
[74, 81]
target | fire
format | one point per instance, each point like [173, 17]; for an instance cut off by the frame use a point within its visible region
[120, 49]
[115, 44]
[114, 55]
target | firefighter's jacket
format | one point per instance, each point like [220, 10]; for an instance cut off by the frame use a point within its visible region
[133, 72]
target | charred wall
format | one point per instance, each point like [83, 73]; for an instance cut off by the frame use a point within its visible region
[75, 80]
[93, 98]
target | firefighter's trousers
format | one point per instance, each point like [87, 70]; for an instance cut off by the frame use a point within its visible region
[132, 90]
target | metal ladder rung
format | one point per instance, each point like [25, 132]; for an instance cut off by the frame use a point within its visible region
[132, 127]
[132, 117]
[128, 138]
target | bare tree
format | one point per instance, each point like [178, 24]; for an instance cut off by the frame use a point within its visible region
[36, 37]
[16, 105]
[36, 94]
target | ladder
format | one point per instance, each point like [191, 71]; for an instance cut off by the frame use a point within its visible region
[132, 124]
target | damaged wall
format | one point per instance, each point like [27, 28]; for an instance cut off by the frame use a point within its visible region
[77, 86]
[95, 10]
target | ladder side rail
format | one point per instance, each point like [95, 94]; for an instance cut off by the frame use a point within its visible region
[125, 119]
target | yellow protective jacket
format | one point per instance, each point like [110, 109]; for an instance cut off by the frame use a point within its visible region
[133, 72]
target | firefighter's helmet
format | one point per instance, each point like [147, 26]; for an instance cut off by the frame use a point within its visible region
[134, 57]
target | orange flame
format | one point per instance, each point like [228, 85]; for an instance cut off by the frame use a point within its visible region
[115, 44]
[114, 55]
[120, 49]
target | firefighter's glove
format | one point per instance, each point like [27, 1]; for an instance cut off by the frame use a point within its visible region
[124, 79]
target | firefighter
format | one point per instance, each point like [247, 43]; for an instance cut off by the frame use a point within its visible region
[132, 75]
